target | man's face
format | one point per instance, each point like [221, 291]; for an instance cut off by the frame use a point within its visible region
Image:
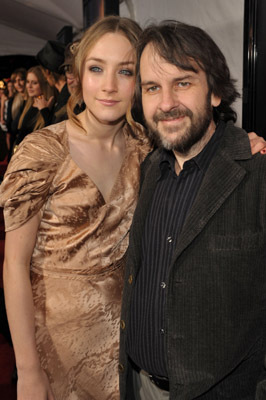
[176, 103]
[48, 76]
[71, 79]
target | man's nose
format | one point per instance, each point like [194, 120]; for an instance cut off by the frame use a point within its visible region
[169, 99]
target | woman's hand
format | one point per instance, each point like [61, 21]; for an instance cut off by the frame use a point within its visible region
[34, 385]
[41, 102]
[257, 143]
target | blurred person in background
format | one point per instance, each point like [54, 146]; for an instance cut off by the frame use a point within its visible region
[7, 100]
[6, 103]
[51, 58]
[36, 112]
[3, 141]
[72, 79]
[3, 98]
[15, 106]
[18, 78]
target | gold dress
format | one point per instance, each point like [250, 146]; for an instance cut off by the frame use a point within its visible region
[77, 263]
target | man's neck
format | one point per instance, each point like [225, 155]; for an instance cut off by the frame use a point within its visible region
[60, 84]
[195, 149]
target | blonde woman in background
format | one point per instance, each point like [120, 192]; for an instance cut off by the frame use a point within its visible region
[36, 113]
[16, 104]
[18, 78]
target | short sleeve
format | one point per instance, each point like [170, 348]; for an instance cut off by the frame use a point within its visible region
[27, 181]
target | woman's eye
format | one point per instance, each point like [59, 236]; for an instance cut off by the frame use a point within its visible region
[127, 72]
[95, 69]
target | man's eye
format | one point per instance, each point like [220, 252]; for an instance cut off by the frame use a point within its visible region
[152, 89]
[183, 84]
[95, 69]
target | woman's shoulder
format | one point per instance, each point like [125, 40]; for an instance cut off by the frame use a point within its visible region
[30, 173]
[49, 142]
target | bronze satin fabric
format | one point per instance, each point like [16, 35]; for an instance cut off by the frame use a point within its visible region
[77, 264]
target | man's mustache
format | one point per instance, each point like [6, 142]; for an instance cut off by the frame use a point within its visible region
[172, 114]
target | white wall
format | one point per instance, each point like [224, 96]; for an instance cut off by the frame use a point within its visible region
[222, 19]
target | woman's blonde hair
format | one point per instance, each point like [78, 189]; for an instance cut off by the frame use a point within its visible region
[111, 24]
[46, 91]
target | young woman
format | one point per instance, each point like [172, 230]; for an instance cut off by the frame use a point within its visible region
[15, 106]
[69, 195]
[36, 113]
[18, 78]
[6, 103]
[5, 100]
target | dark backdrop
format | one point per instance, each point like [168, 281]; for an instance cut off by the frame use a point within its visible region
[254, 74]
[9, 63]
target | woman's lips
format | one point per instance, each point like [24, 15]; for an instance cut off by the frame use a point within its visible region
[109, 103]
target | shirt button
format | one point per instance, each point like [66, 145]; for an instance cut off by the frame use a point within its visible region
[162, 331]
[163, 285]
[122, 324]
[130, 279]
[169, 239]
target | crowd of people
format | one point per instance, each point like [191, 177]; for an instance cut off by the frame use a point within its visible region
[34, 98]
[194, 285]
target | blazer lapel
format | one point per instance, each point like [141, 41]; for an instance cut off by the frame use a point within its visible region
[222, 177]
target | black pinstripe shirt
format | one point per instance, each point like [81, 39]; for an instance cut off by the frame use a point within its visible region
[172, 200]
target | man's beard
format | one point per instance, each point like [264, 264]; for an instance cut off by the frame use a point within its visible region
[193, 134]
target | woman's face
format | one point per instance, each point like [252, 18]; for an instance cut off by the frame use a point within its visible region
[109, 78]
[32, 85]
[10, 88]
[19, 84]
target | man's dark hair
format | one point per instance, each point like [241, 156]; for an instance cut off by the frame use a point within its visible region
[187, 46]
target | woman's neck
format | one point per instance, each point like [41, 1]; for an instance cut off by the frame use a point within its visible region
[100, 132]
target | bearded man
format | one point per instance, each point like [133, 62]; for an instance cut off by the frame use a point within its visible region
[194, 305]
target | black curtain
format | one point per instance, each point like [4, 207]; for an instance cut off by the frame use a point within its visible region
[254, 74]
[91, 10]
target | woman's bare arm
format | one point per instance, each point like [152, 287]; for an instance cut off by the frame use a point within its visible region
[19, 245]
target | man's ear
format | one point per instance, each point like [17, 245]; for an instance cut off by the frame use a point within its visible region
[215, 100]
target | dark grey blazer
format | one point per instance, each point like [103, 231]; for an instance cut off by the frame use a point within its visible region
[216, 292]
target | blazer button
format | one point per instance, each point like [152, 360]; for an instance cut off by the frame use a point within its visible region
[122, 324]
[121, 367]
[130, 279]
